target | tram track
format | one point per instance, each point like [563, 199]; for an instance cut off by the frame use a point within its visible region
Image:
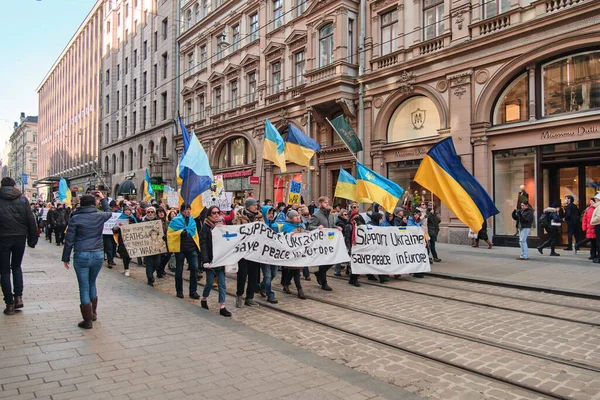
[406, 349]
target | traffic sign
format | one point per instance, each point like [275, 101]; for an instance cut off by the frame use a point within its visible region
[24, 178]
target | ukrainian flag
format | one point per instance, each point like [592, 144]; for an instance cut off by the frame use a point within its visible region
[64, 193]
[148, 191]
[375, 188]
[194, 172]
[300, 148]
[186, 144]
[346, 186]
[443, 174]
[176, 227]
[274, 149]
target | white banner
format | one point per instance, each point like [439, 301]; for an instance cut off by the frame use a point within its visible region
[173, 199]
[45, 213]
[108, 225]
[389, 250]
[256, 242]
[144, 239]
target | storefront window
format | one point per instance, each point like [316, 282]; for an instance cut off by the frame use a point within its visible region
[236, 152]
[403, 173]
[415, 118]
[592, 182]
[281, 185]
[512, 104]
[513, 168]
[571, 84]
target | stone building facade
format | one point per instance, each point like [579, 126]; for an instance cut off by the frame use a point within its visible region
[515, 83]
[138, 94]
[23, 155]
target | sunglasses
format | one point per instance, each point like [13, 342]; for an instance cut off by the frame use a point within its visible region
[344, 215]
[149, 212]
[305, 215]
[354, 206]
[215, 212]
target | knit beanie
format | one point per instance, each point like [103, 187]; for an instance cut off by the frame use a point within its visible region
[249, 202]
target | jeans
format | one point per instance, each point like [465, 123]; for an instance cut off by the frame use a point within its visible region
[12, 249]
[192, 259]
[48, 232]
[250, 270]
[109, 248]
[523, 233]
[269, 273]
[218, 272]
[87, 266]
[152, 264]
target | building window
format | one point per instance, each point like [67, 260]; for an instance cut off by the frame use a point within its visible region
[275, 77]
[126, 65]
[350, 41]
[145, 50]
[201, 107]
[163, 147]
[188, 111]
[125, 126]
[202, 57]
[299, 7]
[491, 8]
[235, 37]
[155, 41]
[117, 130]
[34, 140]
[108, 27]
[188, 19]
[144, 117]
[135, 58]
[512, 104]
[118, 19]
[190, 63]
[165, 58]
[126, 10]
[163, 98]
[236, 152]
[196, 13]
[251, 87]
[233, 92]
[140, 153]
[221, 45]
[135, 89]
[108, 77]
[145, 82]
[134, 122]
[118, 100]
[433, 21]
[165, 28]
[122, 162]
[155, 77]
[135, 24]
[205, 8]
[106, 133]
[326, 45]
[126, 35]
[107, 104]
[130, 159]
[154, 112]
[571, 84]
[125, 95]
[118, 72]
[416, 118]
[299, 63]
[218, 3]
[389, 33]
[253, 27]
[217, 100]
[277, 13]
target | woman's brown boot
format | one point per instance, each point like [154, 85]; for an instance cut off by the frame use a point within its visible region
[86, 313]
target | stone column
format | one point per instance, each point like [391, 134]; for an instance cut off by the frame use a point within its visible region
[531, 86]
[460, 99]
[417, 18]
[267, 185]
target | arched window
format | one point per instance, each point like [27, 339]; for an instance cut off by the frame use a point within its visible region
[130, 159]
[326, 45]
[236, 152]
[106, 164]
[188, 19]
[511, 106]
[416, 118]
[122, 162]
[163, 147]
[114, 164]
[140, 156]
[151, 147]
[196, 13]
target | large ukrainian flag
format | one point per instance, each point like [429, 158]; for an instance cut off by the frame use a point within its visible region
[274, 149]
[443, 174]
[300, 148]
[176, 227]
[64, 193]
[148, 191]
[346, 186]
[375, 188]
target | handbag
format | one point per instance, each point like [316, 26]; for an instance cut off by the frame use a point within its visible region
[472, 235]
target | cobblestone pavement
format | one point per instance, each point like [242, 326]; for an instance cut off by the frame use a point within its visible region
[150, 345]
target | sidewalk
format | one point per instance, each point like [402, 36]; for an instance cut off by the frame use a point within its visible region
[569, 272]
[147, 344]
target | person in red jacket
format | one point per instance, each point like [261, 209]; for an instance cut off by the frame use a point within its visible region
[590, 234]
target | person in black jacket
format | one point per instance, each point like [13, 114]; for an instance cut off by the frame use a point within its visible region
[342, 221]
[85, 236]
[524, 218]
[553, 218]
[433, 229]
[572, 220]
[60, 223]
[17, 226]
[213, 218]
[349, 231]
[50, 221]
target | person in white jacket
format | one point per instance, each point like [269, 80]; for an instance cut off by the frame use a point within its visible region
[595, 222]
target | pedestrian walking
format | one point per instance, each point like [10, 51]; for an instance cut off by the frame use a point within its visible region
[110, 247]
[247, 269]
[184, 241]
[349, 233]
[152, 262]
[121, 249]
[524, 218]
[269, 271]
[85, 237]
[595, 222]
[17, 227]
[550, 221]
[213, 219]
[293, 224]
[433, 230]
[483, 235]
[588, 229]
[572, 220]
[60, 223]
[322, 218]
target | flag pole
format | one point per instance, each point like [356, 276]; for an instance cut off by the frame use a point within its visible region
[335, 130]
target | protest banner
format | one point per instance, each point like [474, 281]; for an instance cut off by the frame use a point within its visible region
[294, 194]
[257, 242]
[108, 225]
[173, 199]
[55, 196]
[223, 202]
[45, 213]
[144, 239]
[389, 250]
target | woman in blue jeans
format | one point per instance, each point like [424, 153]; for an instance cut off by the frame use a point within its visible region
[213, 218]
[85, 236]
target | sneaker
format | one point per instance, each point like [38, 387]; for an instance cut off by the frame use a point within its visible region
[522, 259]
[272, 300]
[239, 302]
[554, 254]
[180, 295]
[251, 303]
[194, 296]
[262, 293]
[326, 287]
[126, 272]
[204, 304]
[437, 260]
[540, 250]
[224, 312]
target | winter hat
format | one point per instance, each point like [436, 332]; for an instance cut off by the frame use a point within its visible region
[144, 204]
[112, 203]
[151, 209]
[249, 202]
[292, 213]
[597, 196]
[87, 200]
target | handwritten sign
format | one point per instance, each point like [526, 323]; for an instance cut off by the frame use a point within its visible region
[45, 214]
[144, 239]
[108, 225]
[173, 199]
[294, 194]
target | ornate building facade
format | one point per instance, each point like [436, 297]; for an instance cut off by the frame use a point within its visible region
[23, 155]
[515, 83]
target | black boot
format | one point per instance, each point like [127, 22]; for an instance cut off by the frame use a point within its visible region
[86, 313]
[18, 302]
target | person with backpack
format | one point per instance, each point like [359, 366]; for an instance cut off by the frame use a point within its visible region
[550, 221]
[524, 218]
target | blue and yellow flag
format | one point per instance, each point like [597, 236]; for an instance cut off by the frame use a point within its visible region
[377, 189]
[443, 174]
[274, 149]
[346, 186]
[300, 148]
[148, 191]
[176, 227]
[186, 144]
[64, 193]
[194, 172]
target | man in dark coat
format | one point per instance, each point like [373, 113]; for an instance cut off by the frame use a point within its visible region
[17, 226]
[60, 223]
[433, 229]
[322, 218]
[572, 220]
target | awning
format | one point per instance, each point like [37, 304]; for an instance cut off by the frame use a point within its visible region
[126, 187]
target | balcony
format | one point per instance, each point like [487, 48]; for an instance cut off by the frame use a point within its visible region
[387, 60]
[496, 23]
[557, 5]
[338, 68]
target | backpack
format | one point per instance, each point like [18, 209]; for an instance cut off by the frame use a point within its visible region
[544, 220]
[61, 218]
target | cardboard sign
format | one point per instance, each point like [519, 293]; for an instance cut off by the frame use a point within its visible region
[294, 194]
[108, 225]
[45, 213]
[144, 239]
[173, 199]
[223, 202]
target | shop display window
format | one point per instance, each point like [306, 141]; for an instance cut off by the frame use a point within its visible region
[513, 168]
[236, 152]
[281, 185]
[403, 173]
